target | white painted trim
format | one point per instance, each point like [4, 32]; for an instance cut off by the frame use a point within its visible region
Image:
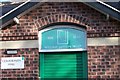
[102, 41]
[62, 26]
[108, 5]
[15, 9]
[62, 50]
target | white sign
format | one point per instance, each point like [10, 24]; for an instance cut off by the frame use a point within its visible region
[12, 52]
[12, 63]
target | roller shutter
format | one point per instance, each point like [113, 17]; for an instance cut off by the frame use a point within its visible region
[63, 65]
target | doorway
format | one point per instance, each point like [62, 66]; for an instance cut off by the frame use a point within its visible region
[63, 52]
[63, 65]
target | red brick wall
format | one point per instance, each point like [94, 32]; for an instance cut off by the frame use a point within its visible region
[48, 13]
[31, 67]
[104, 61]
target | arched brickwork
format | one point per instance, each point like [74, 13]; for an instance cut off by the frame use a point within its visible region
[77, 19]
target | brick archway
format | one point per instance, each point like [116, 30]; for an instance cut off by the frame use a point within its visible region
[73, 18]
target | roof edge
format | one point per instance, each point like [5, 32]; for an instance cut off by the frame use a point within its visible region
[113, 12]
[14, 9]
[108, 6]
[106, 10]
[16, 13]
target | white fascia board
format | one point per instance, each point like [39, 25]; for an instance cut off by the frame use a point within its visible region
[108, 6]
[15, 9]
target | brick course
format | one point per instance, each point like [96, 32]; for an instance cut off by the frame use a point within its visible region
[103, 61]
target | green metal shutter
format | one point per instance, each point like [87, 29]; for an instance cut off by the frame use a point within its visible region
[60, 66]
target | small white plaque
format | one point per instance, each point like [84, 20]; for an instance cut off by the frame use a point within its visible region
[12, 52]
[12, 63]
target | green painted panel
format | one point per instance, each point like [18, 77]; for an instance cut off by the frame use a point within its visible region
[63, 38]
[60, 66]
